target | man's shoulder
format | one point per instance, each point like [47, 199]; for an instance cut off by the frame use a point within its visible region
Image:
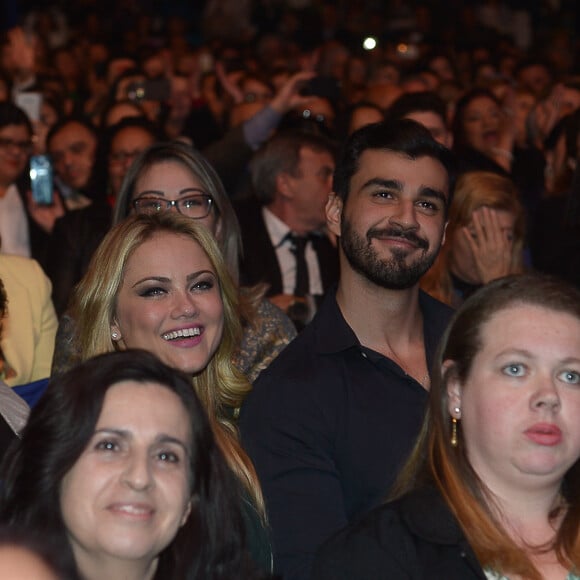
[435, 313]
[298, 362]
[435, 307]
[310, 353]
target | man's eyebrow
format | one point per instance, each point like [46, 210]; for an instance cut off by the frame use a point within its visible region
[434, 193]
[389, 183]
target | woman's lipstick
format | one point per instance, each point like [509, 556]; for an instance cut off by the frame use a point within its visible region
[544, 434]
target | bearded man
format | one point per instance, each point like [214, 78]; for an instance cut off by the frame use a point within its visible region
[331, 421]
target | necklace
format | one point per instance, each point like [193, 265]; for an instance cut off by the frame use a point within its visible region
[424, 382]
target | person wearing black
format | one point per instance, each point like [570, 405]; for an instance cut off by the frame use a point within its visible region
[330, 422]
[491, 488]
[285, 241]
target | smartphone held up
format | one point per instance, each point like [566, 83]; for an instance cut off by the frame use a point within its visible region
[41, 179]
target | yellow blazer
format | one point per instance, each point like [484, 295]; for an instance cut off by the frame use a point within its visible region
[29, 329]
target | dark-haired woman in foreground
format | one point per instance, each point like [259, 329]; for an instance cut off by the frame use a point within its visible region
[492, 490]
[119, 468]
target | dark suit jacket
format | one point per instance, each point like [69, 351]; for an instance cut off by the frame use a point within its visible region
[260, 263]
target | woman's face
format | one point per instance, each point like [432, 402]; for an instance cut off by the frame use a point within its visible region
[520, 404]
[171, 181]
[461, 259]
[482, 119]
[169, 303]
[128, 494]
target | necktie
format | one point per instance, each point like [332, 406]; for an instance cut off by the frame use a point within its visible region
[298, 249]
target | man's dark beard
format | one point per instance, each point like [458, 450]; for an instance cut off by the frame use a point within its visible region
[393, 273]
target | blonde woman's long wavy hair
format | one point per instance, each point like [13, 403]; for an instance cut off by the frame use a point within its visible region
[220, 386]
[473, 191]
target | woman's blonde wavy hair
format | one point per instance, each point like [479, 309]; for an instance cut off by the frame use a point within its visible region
[220, 386]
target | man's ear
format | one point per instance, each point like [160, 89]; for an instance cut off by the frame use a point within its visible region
[283, 185]
[334, 213]
[454, 389]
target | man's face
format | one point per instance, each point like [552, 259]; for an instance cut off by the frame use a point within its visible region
[435, 124]
[310, 186]
[393, 222]
[536, 78]
[73, 153]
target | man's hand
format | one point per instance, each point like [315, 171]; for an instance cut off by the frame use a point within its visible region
[45, 215]
[289, 97]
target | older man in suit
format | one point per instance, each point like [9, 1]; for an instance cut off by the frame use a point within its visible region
[285, 241]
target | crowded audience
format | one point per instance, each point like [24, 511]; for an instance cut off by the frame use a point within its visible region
[285, 200]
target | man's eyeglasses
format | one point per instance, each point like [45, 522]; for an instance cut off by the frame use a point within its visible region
[193, 206]
[23, 146]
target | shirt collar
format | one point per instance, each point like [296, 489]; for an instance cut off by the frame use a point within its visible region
[277, 229]
[335, 335]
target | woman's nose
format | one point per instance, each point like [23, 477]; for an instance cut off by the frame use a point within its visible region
[137, 474]
[185, 305]
[546, 394]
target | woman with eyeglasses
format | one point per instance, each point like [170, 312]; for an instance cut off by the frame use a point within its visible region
[175, 177]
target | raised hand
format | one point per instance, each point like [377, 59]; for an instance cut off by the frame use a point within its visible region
[289, 97]
[491, 245]
[45, 215]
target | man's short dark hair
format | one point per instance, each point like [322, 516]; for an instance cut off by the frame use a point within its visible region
[423, 102]
[62, 123]
[403, 136]
[10, 114]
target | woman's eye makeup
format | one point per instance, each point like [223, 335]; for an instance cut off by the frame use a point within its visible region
[151, 291]
[206, 283]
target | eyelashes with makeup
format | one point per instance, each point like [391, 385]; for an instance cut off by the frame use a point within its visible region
[203, 284]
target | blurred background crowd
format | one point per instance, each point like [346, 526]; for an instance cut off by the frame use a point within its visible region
[93, 84]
